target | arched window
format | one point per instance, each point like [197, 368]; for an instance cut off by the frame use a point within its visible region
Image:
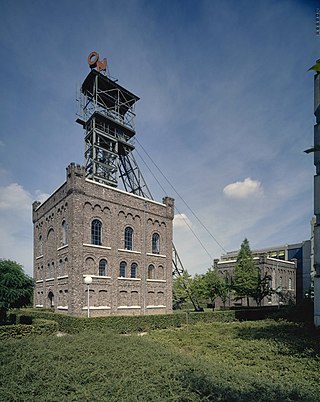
[290, 284]
[155, 243]
[122, 271]
[64, 233]
[151, 271]
[96, 226]
[134, 267]
[60, 267]
[102, 268]
[40, 245]
[128, 238]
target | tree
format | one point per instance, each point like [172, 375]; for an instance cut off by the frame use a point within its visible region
[181, 288]
[263, 288]
[210, 286]
[16, 288]
[246, 275]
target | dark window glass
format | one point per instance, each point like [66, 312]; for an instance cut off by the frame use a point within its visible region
[96, 226]
[134, 267]
[122, 271]
[40, 245]
[128, 238]
[103, 268]
[64, 233]
[155, 243]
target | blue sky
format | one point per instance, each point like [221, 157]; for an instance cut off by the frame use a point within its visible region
[226, 111]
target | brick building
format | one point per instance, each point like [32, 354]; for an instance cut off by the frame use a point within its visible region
[123, 241]
[282, 274]
[99, 249]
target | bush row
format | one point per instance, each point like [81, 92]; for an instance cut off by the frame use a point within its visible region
[39, 326]
[129, 324]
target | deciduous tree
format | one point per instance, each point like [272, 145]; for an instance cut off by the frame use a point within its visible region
[210, 286]
[16, 287]
[263, 288]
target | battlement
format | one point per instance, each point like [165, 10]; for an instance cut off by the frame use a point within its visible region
[75, 169]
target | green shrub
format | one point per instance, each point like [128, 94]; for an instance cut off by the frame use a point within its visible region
[39, 326]
[263, 361]
[130, 324]
[42, 326]
[15, 331]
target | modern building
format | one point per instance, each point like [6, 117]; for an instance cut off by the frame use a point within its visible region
[99, 249]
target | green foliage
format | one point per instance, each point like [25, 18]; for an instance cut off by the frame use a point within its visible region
[181, 289]
[129, 324]
[258, 362]
[16, 288]
[245, 280]
[38, 327]
[212, 285]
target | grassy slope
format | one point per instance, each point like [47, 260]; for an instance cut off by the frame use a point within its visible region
[262, 361]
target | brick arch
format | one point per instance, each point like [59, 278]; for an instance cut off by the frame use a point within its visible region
[50, 232]
[88, 206]
[97, 208]
[89, 265]
[106, 210]
[121, 214]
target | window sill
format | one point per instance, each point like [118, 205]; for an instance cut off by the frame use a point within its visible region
[96, 246]
[39, 257]
[161, 306]
[97, 276]
[39, 281]
[62, 277]
[49, 279]
[96, 308]
[129, 279]
[62, 307]
[157, 280]
[62, 247]
[157, 255]
[128, 307]
[39, 305]
[129, 251]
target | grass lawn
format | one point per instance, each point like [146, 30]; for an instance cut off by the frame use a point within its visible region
[248, 361]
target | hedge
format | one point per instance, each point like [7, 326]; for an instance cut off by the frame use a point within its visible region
[39, 326]
[129, 324]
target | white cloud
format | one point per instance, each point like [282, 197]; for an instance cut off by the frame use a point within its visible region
[14, 196]
[40, 196]
[181, 221]
[16, 223]
[243, 189]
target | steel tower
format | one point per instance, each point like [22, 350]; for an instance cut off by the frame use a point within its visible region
[107, 116]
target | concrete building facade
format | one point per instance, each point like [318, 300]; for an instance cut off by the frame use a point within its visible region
[121, 240]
